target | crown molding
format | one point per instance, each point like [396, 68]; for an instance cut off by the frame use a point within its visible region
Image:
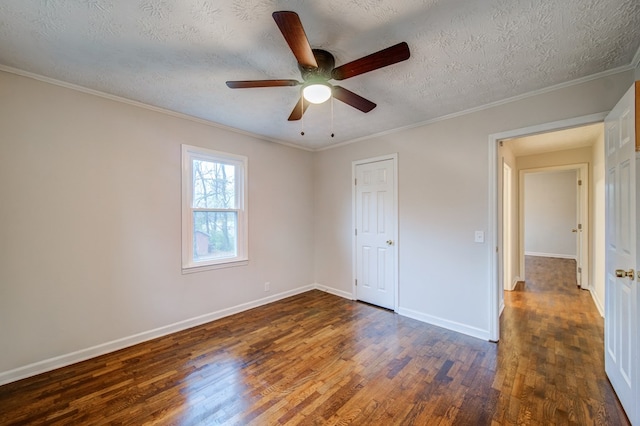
[490, 105]
[138, 104]
[632, 66]
[636, 59]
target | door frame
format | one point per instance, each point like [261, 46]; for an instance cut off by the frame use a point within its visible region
[494, 226]
[582, 212]
[507, 229]
[354, 249]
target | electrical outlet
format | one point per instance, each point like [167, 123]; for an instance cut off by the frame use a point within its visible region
[267, 286]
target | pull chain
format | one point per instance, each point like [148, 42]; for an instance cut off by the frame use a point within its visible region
[332, 115]
[302, 113]
[302, 116]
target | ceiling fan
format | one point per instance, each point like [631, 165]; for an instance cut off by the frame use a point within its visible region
[317, 67]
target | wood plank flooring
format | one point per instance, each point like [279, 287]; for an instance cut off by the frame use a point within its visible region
[319, 359]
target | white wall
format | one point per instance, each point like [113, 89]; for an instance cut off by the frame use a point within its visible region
[598, 223]
[443, 196]
[90, 224]
[550, 212]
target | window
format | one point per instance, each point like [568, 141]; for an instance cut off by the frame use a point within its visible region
[214, 209]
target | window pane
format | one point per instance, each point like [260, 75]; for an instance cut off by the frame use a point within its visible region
[215, 235]
[214, 185]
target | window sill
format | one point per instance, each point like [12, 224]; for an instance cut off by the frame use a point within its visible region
[202, 268]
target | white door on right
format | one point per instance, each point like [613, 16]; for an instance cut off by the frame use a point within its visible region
[622, 360]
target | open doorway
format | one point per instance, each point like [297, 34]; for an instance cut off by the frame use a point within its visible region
[554, 216]
[544, 146]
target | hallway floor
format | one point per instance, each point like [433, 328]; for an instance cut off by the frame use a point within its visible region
[552, 348]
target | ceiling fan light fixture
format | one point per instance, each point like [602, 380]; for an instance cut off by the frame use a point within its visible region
[317, 93]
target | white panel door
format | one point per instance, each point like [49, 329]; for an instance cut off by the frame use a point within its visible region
[375, 233]
[622, 359]
[578, 229]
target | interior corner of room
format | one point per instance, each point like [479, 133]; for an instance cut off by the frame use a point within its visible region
[90, 214]
[103, 244]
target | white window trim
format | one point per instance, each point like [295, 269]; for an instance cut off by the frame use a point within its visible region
[188, 265]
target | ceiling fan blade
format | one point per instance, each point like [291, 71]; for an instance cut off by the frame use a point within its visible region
[298, 110]
[293, 32]
[350, 98]
[247, 84]
[390, 55]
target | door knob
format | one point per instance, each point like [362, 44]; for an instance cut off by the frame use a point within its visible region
[389, 242]
[621, 273]
[574, 230]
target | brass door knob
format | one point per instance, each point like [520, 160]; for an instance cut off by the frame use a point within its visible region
[389, 242]
[621, 273]
[574, 230]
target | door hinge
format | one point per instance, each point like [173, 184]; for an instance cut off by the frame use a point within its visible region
[355, 181]
[356, 282]
[579, 182]
[579, 270]
[579, 226]
[356, 232]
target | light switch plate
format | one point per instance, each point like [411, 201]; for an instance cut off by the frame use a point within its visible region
[479, 237]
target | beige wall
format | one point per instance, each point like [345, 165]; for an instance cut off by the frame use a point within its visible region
[90, 217]
[90, 223]
[557, 158]
[443, 197]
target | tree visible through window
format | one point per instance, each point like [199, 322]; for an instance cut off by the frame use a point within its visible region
[214, 207]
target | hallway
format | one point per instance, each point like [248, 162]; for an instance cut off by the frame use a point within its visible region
[552, 349]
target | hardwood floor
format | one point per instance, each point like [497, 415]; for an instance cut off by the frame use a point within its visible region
[320, 359]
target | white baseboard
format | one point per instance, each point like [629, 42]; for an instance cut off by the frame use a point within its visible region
[114, 345]
[559, 256]
[104, 348]
[449, 325]
[334, 291]
[597, 302]
[515, 282]
[512, 285]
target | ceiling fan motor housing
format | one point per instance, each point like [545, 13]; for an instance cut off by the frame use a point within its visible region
[326, 63]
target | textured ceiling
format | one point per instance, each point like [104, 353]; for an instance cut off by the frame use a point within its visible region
[177, 54]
